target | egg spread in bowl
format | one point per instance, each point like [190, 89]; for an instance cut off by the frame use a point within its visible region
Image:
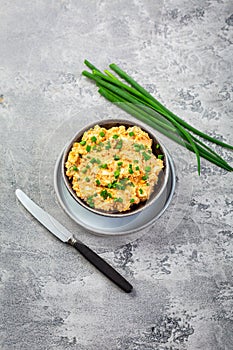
[113, 169]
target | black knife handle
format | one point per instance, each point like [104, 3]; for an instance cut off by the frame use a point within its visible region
[102, 265]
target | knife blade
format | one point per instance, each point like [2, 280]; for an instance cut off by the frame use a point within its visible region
[66, 236]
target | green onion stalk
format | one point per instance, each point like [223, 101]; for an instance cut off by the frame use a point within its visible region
[138, 102]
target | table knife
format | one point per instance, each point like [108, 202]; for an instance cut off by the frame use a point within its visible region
[65, 236]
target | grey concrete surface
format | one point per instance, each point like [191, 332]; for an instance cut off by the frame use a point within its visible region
[181, 266]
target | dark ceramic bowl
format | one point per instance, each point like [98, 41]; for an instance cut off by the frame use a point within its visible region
[160, 188]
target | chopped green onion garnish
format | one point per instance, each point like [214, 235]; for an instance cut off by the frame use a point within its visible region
[130, 169]
[97, 182]
[140, 146]
[119, 163]
[131, 133]
[145, 177]
[95, 160]
[141, 190]
[90, 201]
[146, 156]
[124, 180]
[147, 168]
[105, 194]
[102, 133]
[88, 148]
[82, 143]
[119, 185]
[93, 139]
[75, 168]
[117, 173]
[115, 136]
[157, 146]
[160, 156]
[87, 179]
[132, 200]
[119, 144]
[108, 146]
[104, 166]
[137, 168]
[116, 157]
[120, 200]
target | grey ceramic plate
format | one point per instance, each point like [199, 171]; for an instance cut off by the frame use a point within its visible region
[107, 225]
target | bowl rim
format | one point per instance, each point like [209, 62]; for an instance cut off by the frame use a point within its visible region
[127, 123]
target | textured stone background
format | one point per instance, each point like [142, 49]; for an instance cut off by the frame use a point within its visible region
[181, 266]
